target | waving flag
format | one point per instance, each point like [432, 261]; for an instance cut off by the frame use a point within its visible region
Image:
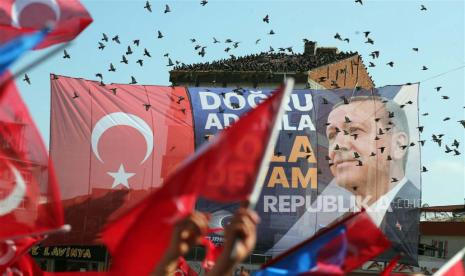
[12, 50]
[226, 169]
[19, 17]
[13, 250]
[29, 196]
[334, 251]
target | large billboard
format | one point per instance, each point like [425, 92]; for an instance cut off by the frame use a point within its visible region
[337, 151]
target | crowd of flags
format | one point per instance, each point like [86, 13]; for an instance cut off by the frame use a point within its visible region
[32, 210]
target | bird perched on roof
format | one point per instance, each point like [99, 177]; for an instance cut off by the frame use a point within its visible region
[133, 80]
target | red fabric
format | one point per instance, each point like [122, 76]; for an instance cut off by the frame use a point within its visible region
[456, 270]
[73, 18]
[212, 252]
[366, 241]
[148, 227]
[25, 266]
[12, 250]
[84, 169]
[391, 266]
[184, 269]
[29, 195]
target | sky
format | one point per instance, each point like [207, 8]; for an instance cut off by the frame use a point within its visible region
[395, 26]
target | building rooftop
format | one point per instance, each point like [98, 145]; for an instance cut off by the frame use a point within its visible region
[281, 60]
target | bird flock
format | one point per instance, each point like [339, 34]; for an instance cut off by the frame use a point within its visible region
[290, 59]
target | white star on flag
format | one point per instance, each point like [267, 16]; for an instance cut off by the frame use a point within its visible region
[121, 177]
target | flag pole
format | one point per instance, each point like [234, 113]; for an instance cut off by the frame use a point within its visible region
[265, 161]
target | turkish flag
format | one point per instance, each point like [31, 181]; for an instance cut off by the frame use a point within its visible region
[29, 196]
[225, 170]
[12, 250]
[112, 145]
[25, 266]
[23, 16]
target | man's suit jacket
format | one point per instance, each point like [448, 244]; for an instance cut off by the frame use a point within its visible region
[401, 225]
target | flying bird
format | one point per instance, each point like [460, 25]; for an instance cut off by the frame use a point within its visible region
[167, 9]
[203, 2]
[148, 6]
[160, 35]
[101, 46]
[116, 39]
[359, 1]
[438, 88]
[65, 54]
[423, 8]
[266, 19]
[424, 68]
[374, 54]
[136, 42]
[337, 36]
[271, 32]
[124, 59]
[105, 37]
[415, 49]
[26, 79]
[370, 41]
[141, 62]
[129, 51]
[146, 53]
[147, 106]
[391, 63]
[99, 75]
[215, 40]
[112, 68]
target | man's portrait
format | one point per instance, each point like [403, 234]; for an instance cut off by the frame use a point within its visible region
[368, 143]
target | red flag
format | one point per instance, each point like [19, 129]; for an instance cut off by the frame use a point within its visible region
[12, 250]
[112, 145]
[363, 245]
[454, 267]
[25, 266]
[338, 249]
[184, 269]
[239, 149]
[23, 16]
[29, 195]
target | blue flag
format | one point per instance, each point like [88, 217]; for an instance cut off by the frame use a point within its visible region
[306, 257]
[15, 48]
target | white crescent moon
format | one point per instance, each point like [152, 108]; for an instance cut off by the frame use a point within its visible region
[10, 254]
[19, 5]
[121, 119]
[12, 201]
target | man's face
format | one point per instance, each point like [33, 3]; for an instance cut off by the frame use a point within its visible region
[353, 129]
